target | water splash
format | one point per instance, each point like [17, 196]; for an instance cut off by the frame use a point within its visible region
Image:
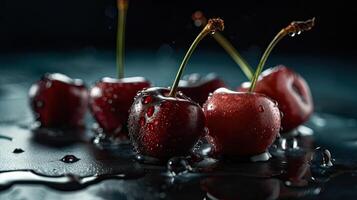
[178, 166]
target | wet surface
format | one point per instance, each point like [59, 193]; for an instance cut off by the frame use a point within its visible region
[316, 162]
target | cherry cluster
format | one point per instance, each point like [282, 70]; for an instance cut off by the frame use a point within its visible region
[163, 122]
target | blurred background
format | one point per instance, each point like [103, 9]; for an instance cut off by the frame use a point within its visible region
[78, 38]
[68, 24]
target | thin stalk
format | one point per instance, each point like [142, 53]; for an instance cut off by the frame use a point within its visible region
[120, 47]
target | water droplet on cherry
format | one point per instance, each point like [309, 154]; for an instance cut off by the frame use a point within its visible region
[142, 121]
[39, 104]
[69, 159]
[150, 111]
[292, 34]
[150, 127]
[147, 99]
[48, 84]
[178, 165]
[261, 108]
[281, 114]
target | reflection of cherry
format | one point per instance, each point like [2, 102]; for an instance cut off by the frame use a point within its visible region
[198, 88]
[59, 101]
[240, 188]
[165, 123]
[110, 99]
[291, 92]
[241, 123]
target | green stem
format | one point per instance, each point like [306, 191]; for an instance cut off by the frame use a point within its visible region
[245, 67]
[265, 56]
[193, 46]
[120, 58]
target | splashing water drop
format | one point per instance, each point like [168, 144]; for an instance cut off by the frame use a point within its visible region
[178, 165]
[322, 157]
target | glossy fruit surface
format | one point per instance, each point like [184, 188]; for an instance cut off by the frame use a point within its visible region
[110, 101]
[291, 92]
[58, 101]
[198, 88]
[241, 124]
[161, 126]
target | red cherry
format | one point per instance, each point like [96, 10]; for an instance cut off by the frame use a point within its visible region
[198, 88]
[242, 124]
[162, 126]
[110, 101]
[291, 92]
[58, 101]
[164, 123]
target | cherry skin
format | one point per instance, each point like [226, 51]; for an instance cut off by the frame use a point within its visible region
[291, 92]
[58, 101]
[198, 88]
[110, 101]
[162, 126]
[241, 123]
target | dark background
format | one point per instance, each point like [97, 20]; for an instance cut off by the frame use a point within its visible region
[71, 24]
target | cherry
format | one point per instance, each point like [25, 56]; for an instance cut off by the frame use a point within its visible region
[285, 86]
[241, 123]
[198, 88]
[110, 98]
[163, 122]
[58, 101]
[282, 84]
[110, 101]
[291, 92]
[162, 126]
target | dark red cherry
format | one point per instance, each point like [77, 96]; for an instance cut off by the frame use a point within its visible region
[58, 101]
[110, 101]
[162, 126]
[291, 92]
[198, 88]
[241, 123]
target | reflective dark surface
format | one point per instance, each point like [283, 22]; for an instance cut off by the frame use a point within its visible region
[296, 169]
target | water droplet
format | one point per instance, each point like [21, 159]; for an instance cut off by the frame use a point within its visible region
[178, 165]
[322, 157]
[150, 127]
[281, 114]
[275, 103]
[292, 34]
[147, 99]
[48, 84]
[69, 159]
[39, 104]
[261, 108]
[110, 101]
[150, 111]
[18, 150]
[142, 121]
[299, 32]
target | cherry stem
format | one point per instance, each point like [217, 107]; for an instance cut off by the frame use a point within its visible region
[243, 64]
[294, 28]
[120, 58]
[200, 20]
[212, 27]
